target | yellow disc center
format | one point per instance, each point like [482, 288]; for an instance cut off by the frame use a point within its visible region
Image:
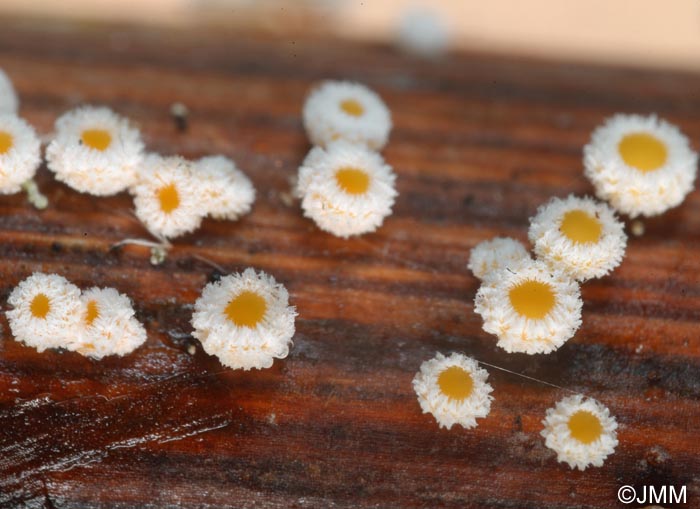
[352, 180]
[99, 139]
[6, 141]
[532, 299]
[169, 198]
[92, 312]
[40, 306]
[585, 427]
[352, 107]
[246, 310]
[643, 151]
[581, 227]
[456, 383]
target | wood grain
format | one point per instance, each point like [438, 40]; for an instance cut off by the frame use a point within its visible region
[479, 142]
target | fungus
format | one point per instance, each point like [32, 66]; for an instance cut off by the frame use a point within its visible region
[9, 103]
[532, 309]
[454, 390]
[45, 311]
[169, 200]
[245, 320]
[95, 151]
[349, 111]
[581, 431]
[640, 165]
[346, 189]
[580, 236]
[490, 256]
[227, 192]
[20, 154]
[108, 325]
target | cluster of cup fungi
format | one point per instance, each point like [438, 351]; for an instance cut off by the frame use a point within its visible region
[639, 166]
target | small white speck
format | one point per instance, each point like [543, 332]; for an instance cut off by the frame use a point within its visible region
[637, 228]
[178, 110]
[287, 199]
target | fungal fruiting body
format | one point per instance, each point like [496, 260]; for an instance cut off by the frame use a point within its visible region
[169, 200]
[20, 153]
[346, 189]
[227, 192]
[349, 111]
[423, 33]
[309, 167]
[581, 431]
[95, 151]
[245, 320]
[453, 389]
[50, 312]
[108, 325]
[8, 97]
[580, 236]
[532, 309]
[45, 311]
[640, 165]
[490, 256]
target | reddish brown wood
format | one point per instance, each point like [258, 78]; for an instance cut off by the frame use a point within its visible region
[479, 142]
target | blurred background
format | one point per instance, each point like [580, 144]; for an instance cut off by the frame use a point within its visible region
[638, 33]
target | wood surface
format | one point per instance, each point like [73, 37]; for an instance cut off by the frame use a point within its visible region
[479, 142]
